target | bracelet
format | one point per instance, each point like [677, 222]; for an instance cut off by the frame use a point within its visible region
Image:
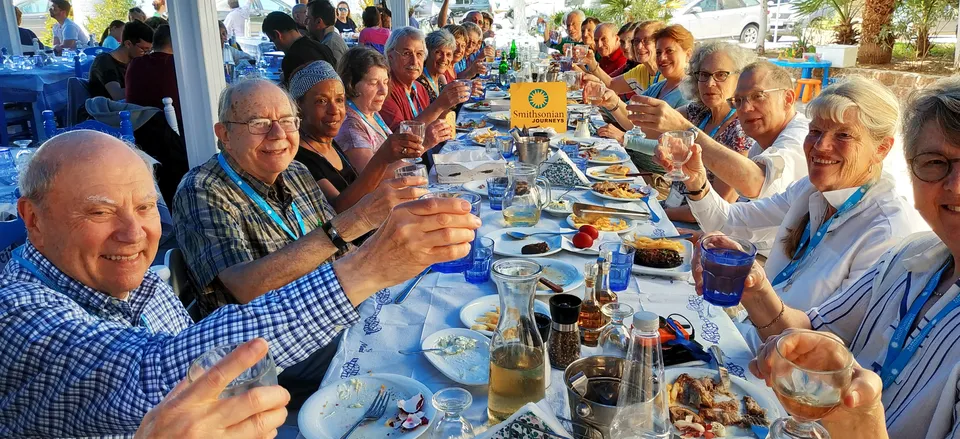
[696, 192]
[334, 236]
[775, 320]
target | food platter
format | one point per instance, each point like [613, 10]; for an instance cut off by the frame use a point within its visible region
[639, 190]
[738, 387]
[681, 271]
[600, 173]
[507, 246]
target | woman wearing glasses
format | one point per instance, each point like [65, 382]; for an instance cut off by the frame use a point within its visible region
[900, 318]
[344, 23]
[830, 228]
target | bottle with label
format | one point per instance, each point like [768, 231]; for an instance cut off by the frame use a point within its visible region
[591, 320]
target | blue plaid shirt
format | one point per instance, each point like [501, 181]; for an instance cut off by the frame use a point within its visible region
[78, 362]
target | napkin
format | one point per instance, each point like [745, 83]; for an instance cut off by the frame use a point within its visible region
[468, 158]
[517, 426]
[560, 171]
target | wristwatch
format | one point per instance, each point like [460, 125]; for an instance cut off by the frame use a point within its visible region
[695, 193]
[334, 236]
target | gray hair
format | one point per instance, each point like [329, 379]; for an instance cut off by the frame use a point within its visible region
[575, 12]
[404, 32]
[227, 96]
[741, 59]
[37, 179]
[938, 103]
[877, 107]
[440, 39]
[298, 7]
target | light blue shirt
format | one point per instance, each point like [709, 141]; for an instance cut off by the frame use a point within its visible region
[110, 43]
[674, 99]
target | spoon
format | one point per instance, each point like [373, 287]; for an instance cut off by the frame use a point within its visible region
[521, 235]
[449, 350]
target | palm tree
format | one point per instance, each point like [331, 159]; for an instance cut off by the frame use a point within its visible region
[845, 11]
[876, 43]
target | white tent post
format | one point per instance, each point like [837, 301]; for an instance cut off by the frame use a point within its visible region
[198, 53]
[9, 34]
[400, 9]
[956, 49]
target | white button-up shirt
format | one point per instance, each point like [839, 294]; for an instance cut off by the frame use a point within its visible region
[784, 161]
[236, 22]
[923, 401]
[853, 243]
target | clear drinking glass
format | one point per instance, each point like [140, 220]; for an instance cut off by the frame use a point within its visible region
[452, 402]
[262, 374]
[505, 143]
[614, 338]
[416, 128]
[458, 265]
[413, 170]
[810, 372]
[593, 94]
[479, 271]
[679, 144]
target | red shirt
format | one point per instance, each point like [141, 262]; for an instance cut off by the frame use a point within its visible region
[614, 62]
[397, 107]
[149, 79]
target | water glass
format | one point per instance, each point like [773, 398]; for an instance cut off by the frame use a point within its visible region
[413, 170]
[680, 145]
[262, 374]
[416, 128]
[458, 265]
[572, 150]
[482, 253]
[620, 263]
[581, 163]
[492, 149]
[452, 402]
[726, 262]
[506, 146]
[496, 190]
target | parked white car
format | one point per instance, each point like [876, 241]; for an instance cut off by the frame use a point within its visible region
[720, 19]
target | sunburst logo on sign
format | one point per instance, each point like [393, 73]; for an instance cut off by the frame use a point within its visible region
[538, 98]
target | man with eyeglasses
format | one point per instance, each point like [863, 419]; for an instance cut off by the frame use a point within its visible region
[321, 18]
[298, 50]
[251, 219]
[109, 69]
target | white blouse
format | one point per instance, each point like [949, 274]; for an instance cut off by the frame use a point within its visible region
[924, 401]
[853, 243]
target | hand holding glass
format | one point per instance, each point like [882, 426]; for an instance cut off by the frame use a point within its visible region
[679, 144]
[416, 128]
[262, 374]
[726, 263]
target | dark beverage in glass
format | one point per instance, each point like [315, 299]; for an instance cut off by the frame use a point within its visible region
[727, 262]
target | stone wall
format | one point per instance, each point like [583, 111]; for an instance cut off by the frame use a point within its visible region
[901, 83]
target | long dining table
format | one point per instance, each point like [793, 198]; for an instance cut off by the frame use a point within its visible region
[372, 345]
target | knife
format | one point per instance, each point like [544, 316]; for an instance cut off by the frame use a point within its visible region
[551, 285]
[585, 210]
[724, 375]
[761, 431]
[406, 291]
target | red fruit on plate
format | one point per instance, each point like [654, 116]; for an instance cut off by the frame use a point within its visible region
[590, 230]
[582, 240]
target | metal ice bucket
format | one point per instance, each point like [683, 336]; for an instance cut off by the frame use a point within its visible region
[533, 150]
[604, 374]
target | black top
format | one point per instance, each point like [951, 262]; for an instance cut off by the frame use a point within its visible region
[349, 26]
[106, 69]
[565, 308]
[321, 169]
[304, 51]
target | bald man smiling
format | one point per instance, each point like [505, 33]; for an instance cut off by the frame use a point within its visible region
[612, 58]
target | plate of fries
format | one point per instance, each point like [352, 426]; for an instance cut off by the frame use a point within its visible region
[483, 135]
[683, 247]
[604, 223]
[622, 191]
[483, 314]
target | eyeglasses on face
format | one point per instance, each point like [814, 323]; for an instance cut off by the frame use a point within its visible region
[931, 167]
[753, 98]
[718, 76]
[263, 125]
[342, 9]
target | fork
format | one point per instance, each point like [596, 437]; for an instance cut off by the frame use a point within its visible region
[373, 413]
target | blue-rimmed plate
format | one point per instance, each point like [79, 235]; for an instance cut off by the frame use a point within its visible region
[564, 274]
[489, 304]
[740, 387]
[507, 246]
[609, 157]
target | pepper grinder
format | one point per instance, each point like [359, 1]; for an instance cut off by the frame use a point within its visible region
[564, 346]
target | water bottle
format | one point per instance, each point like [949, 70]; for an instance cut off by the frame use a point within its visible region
[93, 41]
[36, 46]
[126, 128]
[642, 406]
[170, 114]
[49, 124]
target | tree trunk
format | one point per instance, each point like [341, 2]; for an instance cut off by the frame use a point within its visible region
[876, 46]
[923, 42]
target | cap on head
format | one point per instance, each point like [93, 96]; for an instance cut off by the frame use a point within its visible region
[308, 76]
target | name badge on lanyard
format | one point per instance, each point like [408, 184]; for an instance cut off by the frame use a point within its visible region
[260, 202]
[414, 107]
[899, 355]
[376, 117]
[713, 132]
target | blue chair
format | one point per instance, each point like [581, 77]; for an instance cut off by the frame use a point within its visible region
[93, 125]
[12, 233]
[17, 111]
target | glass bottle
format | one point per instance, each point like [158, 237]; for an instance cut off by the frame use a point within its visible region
[615, 336]
[452, 402]
[642, 408]
[516, 350]
[590, 318]
[604, 294]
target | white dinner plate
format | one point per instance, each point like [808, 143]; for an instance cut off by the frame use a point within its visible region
[600, 173]
[507, 246]
[740, 387]
[333, 409]
[477, 106]
[562, 212]
[564, 274]
[651, 192]
[632, 225]
[584, 141]
[613, 156]
[676, 272]
[498, 117]
[478, 187]
[485, 304]
[470, 367]
[497, 94]
[579, 108]
[593, 250]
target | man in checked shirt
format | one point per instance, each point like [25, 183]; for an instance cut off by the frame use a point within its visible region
[91, 340]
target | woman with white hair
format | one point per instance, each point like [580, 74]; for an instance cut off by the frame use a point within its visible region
[832, 226]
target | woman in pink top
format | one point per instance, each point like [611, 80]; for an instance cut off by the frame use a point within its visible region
[365, 77]
[372, 34]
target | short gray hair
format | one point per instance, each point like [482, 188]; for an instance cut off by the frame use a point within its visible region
[440, 38]
[576, 12]
[37, 179]
[227, 96]
[298, 7]
[878, 109]
[741, 59]
[404, 32]
[938, 103]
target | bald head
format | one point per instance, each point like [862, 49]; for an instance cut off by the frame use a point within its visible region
[606, 39]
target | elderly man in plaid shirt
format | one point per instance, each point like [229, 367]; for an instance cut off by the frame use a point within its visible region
[91, 340]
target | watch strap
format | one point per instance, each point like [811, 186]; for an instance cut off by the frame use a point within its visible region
[334, 236]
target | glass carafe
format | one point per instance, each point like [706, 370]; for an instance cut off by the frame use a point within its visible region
[528, 195]
[516, 350]
[615, 336]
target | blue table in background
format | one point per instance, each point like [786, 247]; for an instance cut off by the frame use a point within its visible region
[45, 88]
[807, 68]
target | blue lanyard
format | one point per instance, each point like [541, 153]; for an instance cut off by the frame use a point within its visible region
[415, 108]
[259, 201]
[461, 65]
[376, 117]
[807, 245]
[717, 128]
[47, 282]
[656, 78]
[897, 355]
[431, 81]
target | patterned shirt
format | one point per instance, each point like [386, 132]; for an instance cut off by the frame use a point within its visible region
[77, 362]
[218, 226]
